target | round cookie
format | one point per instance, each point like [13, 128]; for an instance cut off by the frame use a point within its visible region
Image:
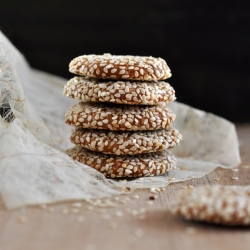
[113, 166]
[120, 92]
[226, 205]
[107, 66]
[119, 117]
[126, 143]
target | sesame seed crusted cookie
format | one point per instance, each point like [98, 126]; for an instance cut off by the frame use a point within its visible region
[226, 205]
[126, 143]
[113, 166]
[119, 117]
[107, 66]
[121, 92]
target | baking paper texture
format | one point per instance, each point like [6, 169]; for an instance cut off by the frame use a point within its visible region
[33, 136]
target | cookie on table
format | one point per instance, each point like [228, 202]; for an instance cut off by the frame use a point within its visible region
[126, 143]
[121, 92]
[108, 66]
[226, 205]
[114, 166]
[118, 117]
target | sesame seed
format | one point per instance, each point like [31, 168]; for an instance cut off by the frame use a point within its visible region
[235, 178]
[22, 219]
[65, 211]
[119, 214]
[135, 196]
[139, 232]
[50, 209]
[125, 76]
[245, 166]
[113, 224]
[76, 204]
[127, 171]
[128, 125]
[190, 230]
[81, 219]
[235, 170]
[75, 210]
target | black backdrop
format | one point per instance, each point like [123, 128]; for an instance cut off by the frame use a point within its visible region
[205, 43]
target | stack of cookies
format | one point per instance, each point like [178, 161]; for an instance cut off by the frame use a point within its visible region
[122, 123]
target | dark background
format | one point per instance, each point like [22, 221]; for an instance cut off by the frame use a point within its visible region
[205, 43]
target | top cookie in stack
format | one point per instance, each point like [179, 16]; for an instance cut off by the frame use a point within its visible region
[122, 125]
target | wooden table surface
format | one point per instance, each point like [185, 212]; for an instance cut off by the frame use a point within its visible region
[133, 224]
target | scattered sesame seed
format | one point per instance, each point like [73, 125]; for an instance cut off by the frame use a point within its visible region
[113, 224]
[149, 202]
[141, 217]
[172, 178]
[105, 217]
[235, 170]
[22, 219]
[75, 210]
[90, 247]
[134, 212]
[65, 211]
[76, 204]
[102, 211]
[245, 166]
[235, 178]
[183, 167]
[81, 218]
[50, 209]
[135, 196]
[190, 230]
[118, 213]
[139, 232]
[43, 206]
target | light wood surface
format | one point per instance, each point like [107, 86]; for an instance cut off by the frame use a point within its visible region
[64, 227]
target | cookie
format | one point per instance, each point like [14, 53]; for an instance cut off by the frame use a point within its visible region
[113, 166]
[126, 143]
[120, 67]
[226, 205]
[120, 92]
[119, 117]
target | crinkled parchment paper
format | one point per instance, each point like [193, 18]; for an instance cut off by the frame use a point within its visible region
[33, 167]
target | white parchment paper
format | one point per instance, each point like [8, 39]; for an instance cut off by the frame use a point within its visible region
[33, 167]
